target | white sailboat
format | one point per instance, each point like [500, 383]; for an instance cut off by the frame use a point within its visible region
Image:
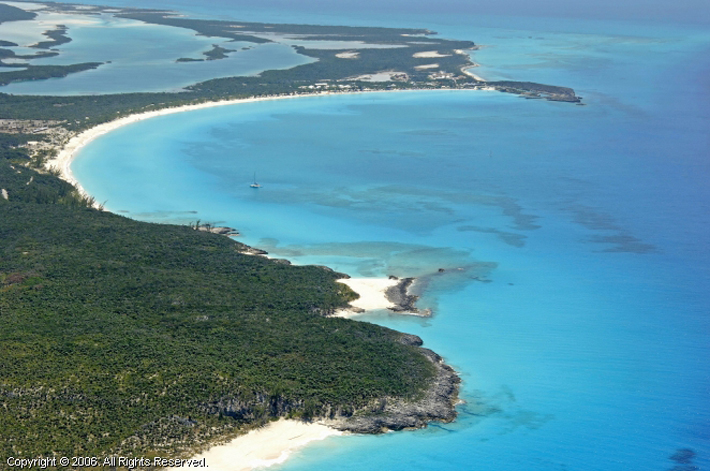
[255, 184]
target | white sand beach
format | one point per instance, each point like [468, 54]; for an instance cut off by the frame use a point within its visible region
[264, 447]
[274, 443]
[429, 54]
[64, 158]
[468, 72]
[372, 294]
[471, 74]
[385, 76]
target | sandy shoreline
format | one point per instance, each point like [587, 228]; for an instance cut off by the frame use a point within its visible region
[381, 293]
[62, 162]
[264, 447]
[467, 71]
[274, 443]
[372, 293]
[65, 157]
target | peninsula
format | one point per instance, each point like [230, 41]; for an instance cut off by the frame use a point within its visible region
[125, 338]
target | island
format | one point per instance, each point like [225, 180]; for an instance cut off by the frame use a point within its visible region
[125, 338]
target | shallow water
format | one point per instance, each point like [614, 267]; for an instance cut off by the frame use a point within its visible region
[140, 57]
[574, 301]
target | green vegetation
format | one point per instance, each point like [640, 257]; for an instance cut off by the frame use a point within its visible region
[410, 41]
[327, 68]
[25, 185]
[10, 54]
[9, 147]
[9, 141]
[127, 337]
[85, 111]
[9, 13]
[243, 31]
[40, 72]
[133, 338]
[56, 37]
[6, 53]
[215, 28]
[217, 52]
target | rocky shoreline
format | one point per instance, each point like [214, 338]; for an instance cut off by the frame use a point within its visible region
[404, 301]
[220, 230]
[437, 404]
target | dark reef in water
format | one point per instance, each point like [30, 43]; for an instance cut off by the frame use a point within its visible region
[684, 458]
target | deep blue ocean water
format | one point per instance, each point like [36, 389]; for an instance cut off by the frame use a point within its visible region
[576, 291]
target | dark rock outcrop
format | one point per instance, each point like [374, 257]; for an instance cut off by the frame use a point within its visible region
[402, 300]
[252, 251]
[438, 404]
[221, 230]
[412, 340]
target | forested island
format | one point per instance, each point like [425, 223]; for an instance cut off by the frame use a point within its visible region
[128, 338]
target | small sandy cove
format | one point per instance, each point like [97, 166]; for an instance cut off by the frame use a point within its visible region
[274, 443]
[264, 447]
[372, 294]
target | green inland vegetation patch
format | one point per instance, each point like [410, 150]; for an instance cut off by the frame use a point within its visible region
[124, 337]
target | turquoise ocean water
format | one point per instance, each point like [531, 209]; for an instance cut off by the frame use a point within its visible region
[138, 57]
[576, 291]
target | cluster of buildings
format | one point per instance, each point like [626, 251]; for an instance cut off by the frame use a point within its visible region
[27, 126]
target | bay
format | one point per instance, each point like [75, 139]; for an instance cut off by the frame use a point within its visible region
[574, 299]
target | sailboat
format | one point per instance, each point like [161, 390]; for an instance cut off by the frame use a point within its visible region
[255, 184]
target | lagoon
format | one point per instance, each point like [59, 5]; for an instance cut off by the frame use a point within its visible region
[138, 57]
